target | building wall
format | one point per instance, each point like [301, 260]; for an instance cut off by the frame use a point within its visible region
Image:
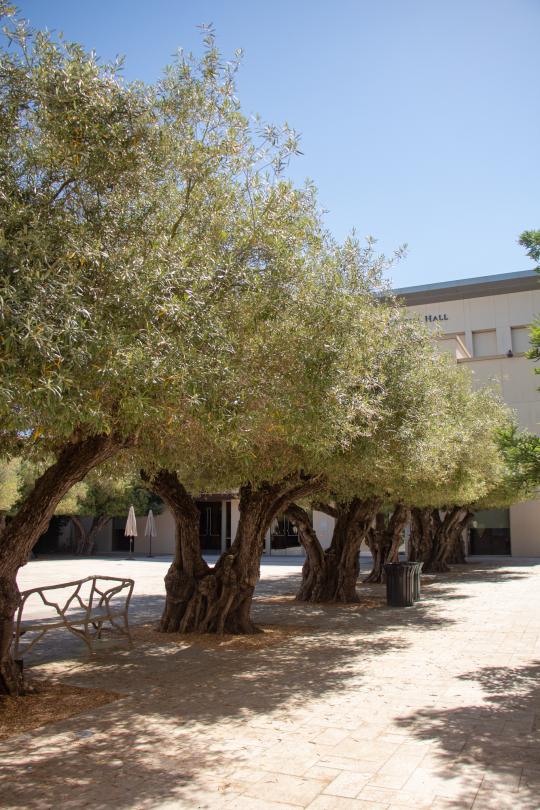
[524, 529]
[235, 517]
[163, 543]
[324, 526]
[488, 327]
[102, 540]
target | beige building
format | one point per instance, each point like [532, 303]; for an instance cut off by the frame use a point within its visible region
[484, 323]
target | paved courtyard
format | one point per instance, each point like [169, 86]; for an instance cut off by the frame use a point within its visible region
[366, 707]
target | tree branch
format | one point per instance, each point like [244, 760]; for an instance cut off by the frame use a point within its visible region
[326, 508]
[63, 186]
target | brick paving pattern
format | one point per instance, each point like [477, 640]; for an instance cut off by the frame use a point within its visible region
[436, 706]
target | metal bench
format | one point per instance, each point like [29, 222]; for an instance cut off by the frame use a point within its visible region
[82, 607]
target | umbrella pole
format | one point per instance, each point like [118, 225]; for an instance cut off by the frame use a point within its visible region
[150, 551]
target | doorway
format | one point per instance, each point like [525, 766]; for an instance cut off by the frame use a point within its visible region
[284, 537]
[210, 525]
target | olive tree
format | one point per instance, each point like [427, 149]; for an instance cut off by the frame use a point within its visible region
[381, 464]
[433, 446]
[134, 218]
[476, 469]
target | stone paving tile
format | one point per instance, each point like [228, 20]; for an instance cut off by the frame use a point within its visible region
[443, 803]
[321, 773]
[530, 779]
[396, 780]
[241, 778]
[370, 750]
[349, 764]
[369, 708]
[395, 797]
[249, 803]
[347, 784]
[336, 803]
[330, 736]
[285, 788]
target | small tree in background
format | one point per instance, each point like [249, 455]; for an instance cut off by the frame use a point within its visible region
[102, 497]
[521, 452]
[530, 240]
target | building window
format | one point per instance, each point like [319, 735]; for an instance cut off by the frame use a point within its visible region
[490, 532]
[210, 525]
[484, 343]
[520, 339]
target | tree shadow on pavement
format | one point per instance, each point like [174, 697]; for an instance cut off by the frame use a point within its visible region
[194, 713]
[496, 733]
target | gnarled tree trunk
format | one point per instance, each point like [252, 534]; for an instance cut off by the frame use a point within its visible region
[421, 536]
[331, 575]
[218, 600]
[20, 535]
[314, 568]
[384, 539]
[456, 555]
[444, 537]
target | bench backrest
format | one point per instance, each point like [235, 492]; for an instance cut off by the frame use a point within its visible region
[87, 595]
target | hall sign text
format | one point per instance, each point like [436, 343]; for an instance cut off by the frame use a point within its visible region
[433, 318]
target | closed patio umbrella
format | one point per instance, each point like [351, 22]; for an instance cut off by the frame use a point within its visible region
[150, 530]
[131, 529]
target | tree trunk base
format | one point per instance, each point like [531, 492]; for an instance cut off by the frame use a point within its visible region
[331, 576]
[436, 567]
[378, 577]
[213, 603]
[328, 597]
[11, 678]
[323, 586]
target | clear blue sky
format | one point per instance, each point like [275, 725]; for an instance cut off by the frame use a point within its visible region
[420, 119]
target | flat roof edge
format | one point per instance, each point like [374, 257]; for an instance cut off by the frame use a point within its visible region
[469, 287]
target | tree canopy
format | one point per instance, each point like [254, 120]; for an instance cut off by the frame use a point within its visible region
[135, 220]
[10, 484]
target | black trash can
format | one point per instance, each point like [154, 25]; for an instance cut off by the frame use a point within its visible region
[400, 584]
